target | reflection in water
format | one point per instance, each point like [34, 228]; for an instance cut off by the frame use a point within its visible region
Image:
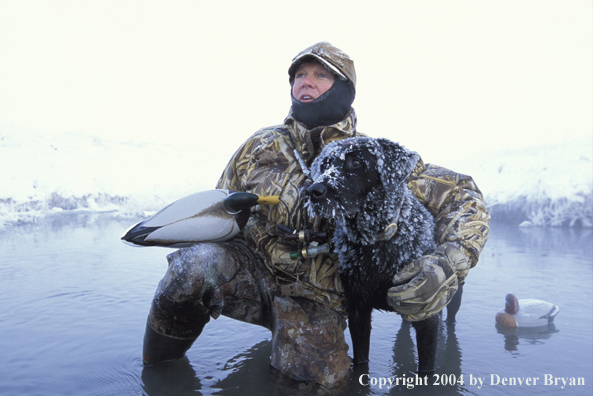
[73, 272]
[403, 366]
[245, 374]
[171, 378]
[533, 335]
[547, 239]
[248, 374]
[448, 361]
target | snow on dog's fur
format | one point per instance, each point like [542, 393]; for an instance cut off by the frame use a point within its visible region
[365, 199]
[361, 184]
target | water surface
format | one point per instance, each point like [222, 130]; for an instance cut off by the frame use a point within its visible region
[75, 299]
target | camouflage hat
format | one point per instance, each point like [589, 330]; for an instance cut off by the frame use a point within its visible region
[329, 56]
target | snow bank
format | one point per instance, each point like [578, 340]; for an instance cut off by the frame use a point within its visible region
[548, 185]
[41, 175]
[44, 175]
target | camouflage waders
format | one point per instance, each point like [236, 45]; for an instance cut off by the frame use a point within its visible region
[227, 278]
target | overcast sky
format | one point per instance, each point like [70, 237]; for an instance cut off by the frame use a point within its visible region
[441, 77]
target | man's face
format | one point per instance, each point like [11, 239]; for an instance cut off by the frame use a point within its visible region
[311, 80]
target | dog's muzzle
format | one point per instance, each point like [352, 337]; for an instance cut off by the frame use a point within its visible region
[317, 191]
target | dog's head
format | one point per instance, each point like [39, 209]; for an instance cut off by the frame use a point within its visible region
[358, 174]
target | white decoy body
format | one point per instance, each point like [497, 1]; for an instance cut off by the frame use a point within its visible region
[526, 313]
[207, 216]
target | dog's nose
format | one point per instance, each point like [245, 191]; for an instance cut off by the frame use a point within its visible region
[317, 191]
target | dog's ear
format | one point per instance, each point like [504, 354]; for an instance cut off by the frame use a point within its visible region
[398, 163]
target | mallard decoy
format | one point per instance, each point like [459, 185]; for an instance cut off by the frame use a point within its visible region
[526, 313]
[207, 216]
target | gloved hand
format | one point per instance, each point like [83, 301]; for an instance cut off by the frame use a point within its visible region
[424, 287]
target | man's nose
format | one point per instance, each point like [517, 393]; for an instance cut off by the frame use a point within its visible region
[308, 82]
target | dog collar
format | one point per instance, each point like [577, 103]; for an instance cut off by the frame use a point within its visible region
[387, 233]
[390, 230]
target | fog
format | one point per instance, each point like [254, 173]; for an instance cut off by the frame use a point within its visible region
[444, 78]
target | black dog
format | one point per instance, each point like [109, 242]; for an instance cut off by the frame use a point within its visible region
[379, 227]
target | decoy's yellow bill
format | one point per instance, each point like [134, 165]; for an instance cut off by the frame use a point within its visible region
[269, 200]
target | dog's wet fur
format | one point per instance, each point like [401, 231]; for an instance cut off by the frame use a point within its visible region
[360, 183]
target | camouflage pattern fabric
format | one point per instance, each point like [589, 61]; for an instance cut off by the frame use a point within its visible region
[266, 165]
[455, 201]
[327, 54]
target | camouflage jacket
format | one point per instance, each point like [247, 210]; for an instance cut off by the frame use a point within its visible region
[266, 165]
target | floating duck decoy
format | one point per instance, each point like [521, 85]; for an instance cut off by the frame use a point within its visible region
[526, 313]
[207, 216]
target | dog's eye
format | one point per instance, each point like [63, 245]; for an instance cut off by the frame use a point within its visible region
[356, 162]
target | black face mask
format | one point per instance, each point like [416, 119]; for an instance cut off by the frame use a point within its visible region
[328, 109]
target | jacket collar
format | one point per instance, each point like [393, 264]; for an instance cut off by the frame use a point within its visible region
[310, 142]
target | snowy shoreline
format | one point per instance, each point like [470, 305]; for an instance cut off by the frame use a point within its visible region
[75, 173]
[542, 185]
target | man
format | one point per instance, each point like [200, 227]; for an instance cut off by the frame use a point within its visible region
[265, 277]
